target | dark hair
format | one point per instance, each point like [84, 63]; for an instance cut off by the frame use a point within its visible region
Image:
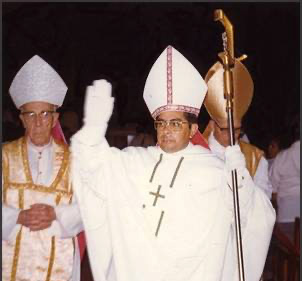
[191, 118]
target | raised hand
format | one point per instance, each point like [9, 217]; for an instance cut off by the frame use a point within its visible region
[98, 103]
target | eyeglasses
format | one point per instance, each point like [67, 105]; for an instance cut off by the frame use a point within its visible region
[44, 115]
[175, 125]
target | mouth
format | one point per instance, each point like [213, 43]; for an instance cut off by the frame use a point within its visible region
[167, 140]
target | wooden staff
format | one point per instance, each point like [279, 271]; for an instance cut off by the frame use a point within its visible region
[228, 61]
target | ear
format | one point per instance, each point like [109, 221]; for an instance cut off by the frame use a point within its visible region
[194, 129]
[55, 119]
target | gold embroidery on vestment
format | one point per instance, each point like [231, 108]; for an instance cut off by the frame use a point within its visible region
[18, 240]
[25, 161]
[39, 188]
[53, 248]
[52, 258]
[61, 188]
[5, 180]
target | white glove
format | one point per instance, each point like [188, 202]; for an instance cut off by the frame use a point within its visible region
[98, 108]
[235, 160]
[98, 105]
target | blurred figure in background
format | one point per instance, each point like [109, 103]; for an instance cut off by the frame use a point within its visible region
[272, 150]
[285, 178]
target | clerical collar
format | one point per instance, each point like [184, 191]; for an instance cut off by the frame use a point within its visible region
[38, 148]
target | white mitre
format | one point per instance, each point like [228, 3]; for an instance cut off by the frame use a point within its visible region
[37, 81]
[174, 84]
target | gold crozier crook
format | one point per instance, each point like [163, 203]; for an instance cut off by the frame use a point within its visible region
[228, 61]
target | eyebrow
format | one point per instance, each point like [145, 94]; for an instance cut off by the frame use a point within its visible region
[31, 111]
[175, 119]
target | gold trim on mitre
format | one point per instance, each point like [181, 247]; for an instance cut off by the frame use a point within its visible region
[243, 86]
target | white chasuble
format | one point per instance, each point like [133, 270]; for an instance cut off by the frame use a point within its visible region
[151, 215]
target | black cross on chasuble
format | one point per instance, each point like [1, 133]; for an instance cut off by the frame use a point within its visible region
[157, 193]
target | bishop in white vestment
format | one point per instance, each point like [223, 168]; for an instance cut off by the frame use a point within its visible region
[165, 213]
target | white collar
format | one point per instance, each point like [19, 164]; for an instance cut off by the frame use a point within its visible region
[36, 148]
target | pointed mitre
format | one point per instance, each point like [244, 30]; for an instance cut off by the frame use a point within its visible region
[215, 102]
[37, 81]
[174, 84]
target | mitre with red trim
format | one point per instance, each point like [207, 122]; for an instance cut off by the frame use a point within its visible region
[174, 84]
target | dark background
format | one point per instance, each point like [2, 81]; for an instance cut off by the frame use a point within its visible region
[121, 41]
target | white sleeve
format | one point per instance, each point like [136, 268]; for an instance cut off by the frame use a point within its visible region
[10, 216]
[92, 160]
[261, 178]
[296, 155]
[9, 222]
[245, 188]
[93, 209]
[88, 154]
[90, 171]
[68, 221]
[247, 191]
[257, 219]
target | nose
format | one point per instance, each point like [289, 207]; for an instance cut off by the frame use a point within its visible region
[167, 129]
[38, 120]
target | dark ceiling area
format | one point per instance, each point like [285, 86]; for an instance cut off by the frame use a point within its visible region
[121, 41]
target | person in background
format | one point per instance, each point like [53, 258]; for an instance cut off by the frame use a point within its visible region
[165, 212]
[40, 217]
[285, 178]
[273, 148]
[217, 131]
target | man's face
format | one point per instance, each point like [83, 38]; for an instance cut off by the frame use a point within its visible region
[221, 131]
[38, 119]
[174, 136]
